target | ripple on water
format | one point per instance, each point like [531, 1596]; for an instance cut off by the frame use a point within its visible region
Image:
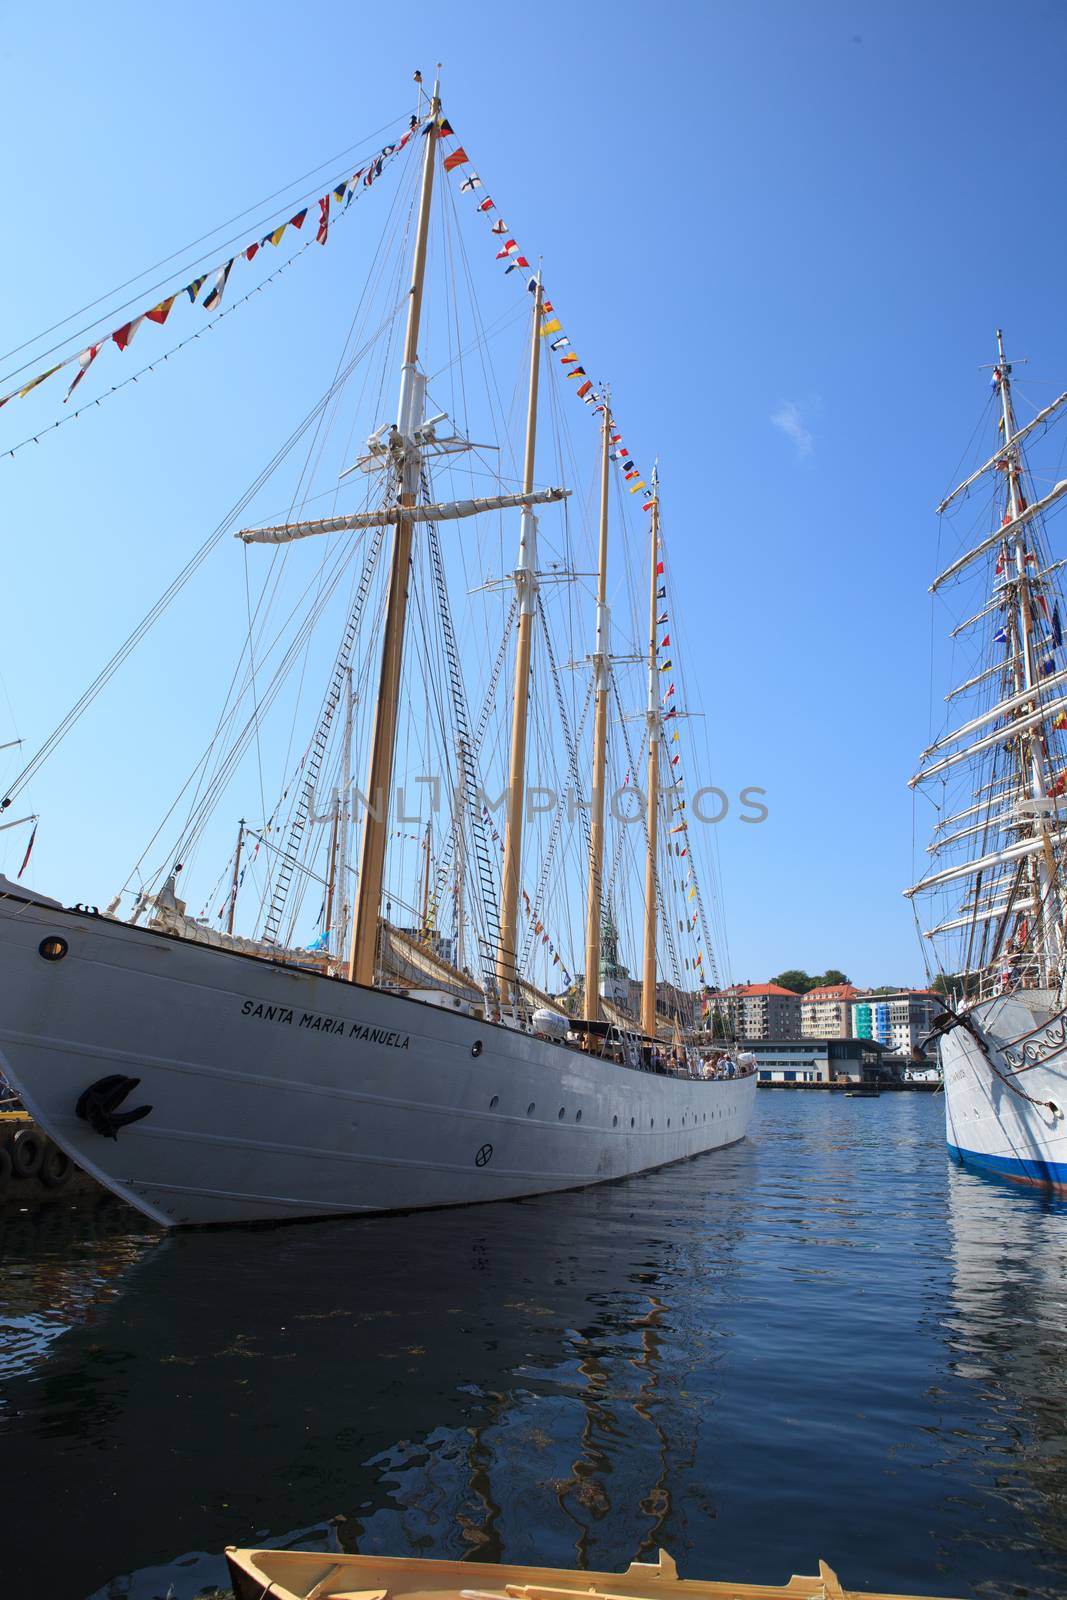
[824, 1342]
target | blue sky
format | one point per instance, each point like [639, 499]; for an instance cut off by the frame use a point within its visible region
[786, 233]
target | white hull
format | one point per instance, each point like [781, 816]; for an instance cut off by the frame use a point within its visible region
[989, 1124]
[278, 1093]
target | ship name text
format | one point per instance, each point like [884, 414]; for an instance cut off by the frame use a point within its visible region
[314, 1023]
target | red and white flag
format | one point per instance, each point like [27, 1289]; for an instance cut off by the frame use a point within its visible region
[85, 361]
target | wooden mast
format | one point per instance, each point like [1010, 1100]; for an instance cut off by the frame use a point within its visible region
[601, 670]
[361, 965]
[460, 856]
[236, 875]
[342, 893]
[648, 977]
[507, 963]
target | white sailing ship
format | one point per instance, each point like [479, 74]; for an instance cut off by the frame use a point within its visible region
[997, 780]
[210, 1077]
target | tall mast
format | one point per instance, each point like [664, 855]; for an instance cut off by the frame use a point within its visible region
[342, 889]
[236, 875]
[507, 971]
[383, 747]
[601, 671]
[1026, 675]
[648, 983]
[460, 856]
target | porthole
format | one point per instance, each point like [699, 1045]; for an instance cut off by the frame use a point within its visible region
[531, 1108]
[632, 1120]
[562, 1113]
[614, 1122]
[53, 948]
[476, 1048]
[578, 1116]
[668, 1122]
[494, 1102]
[652, 1124]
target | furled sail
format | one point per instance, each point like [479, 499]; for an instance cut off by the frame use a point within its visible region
[968, 869]
[1002, 708]
[448, 511]
[1019, 725]
[995, 460]
[1006, 532]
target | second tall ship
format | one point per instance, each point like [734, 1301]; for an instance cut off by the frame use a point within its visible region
[210, 1077]
[996, 779]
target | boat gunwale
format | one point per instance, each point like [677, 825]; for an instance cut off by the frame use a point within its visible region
[640, 1580]
[96, 916]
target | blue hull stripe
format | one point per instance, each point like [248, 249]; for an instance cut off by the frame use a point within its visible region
[1052, 1173]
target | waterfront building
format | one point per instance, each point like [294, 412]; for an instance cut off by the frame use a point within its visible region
[899, 1021]
[826, 1012]
[816, 1060]
[760, 1011]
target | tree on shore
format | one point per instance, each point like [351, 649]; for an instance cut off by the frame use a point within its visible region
[800, 982]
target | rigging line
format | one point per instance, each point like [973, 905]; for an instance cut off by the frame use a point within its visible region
[227, 715]
[100, 300]
[492, 390]
[395, 232]
[302, 809]
[389, 228]
[252, 681]
[157, 610]
[968, 448]
[35, 438]
[539, 907]
[204, 804]
[325, 422]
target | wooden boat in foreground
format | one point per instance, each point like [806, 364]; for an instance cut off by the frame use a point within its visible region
[307, 1575]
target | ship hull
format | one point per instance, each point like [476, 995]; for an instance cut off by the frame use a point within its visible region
[278, 1093]
[1001, 1122]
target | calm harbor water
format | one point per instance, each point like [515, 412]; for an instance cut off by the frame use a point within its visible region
[824, 1342]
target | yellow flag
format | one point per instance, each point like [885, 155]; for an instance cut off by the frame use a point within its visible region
[640, 484]
[692, 892]
[276, 236]
[551, 327]
[35, 381]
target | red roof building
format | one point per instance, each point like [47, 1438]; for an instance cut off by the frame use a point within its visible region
[826, 1012]
[760, 1011]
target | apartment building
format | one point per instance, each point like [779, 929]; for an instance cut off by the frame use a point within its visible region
[899, 1022]
[759, 1011]
[826, 1013]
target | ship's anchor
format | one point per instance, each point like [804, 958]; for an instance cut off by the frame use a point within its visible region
[98, 1105]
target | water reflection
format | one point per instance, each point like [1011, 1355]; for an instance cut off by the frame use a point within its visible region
[1006, 1338]
[755, 1359]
